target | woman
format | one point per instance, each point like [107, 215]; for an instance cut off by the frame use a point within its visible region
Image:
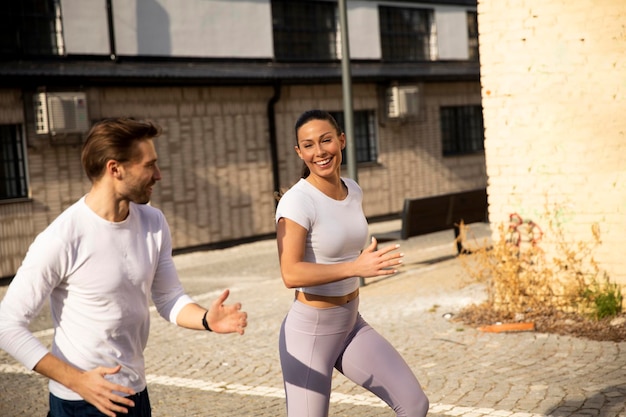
[321, 232]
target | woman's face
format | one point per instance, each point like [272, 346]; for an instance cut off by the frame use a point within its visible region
[320, 146]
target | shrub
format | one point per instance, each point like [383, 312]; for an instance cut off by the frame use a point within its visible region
[522, 277]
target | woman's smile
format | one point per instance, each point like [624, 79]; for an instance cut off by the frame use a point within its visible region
[324, 162]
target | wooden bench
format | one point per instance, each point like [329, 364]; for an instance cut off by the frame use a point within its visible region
[443, 212]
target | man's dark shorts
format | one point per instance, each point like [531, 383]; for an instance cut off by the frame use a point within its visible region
[65, 408]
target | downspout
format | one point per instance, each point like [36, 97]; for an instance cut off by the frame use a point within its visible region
[111, 27]
[271, 120]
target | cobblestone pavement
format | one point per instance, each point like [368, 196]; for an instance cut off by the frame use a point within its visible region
[464, 372]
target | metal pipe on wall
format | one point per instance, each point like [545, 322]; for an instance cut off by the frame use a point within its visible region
[346, 82]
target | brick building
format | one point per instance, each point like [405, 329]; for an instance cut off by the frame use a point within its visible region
[227, 80]
[553, 76]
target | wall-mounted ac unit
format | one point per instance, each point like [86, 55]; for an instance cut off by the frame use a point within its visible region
[402, 101]
[61, 113]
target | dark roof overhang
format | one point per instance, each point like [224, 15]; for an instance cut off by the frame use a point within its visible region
[92, 72]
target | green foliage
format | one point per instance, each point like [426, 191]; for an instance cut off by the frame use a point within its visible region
[604, 298]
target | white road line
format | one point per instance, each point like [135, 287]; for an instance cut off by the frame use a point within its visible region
[272, 392]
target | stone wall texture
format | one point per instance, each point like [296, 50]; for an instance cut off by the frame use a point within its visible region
[215, 157]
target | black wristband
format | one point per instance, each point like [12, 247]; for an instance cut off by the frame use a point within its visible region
[205, 323]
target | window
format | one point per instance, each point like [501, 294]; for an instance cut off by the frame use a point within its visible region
[31, 28]
[364, 135]
[12, 163]
[305, 30]
[462, 130]
[472, 35]
[407, 34]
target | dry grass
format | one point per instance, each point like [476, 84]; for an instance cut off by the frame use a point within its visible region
[561, 290]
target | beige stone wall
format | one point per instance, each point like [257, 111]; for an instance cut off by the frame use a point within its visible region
[11, 108]
[553, 88]
[214, 154]
[16, 226]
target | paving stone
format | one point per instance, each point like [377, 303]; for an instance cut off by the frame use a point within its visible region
[464, 372]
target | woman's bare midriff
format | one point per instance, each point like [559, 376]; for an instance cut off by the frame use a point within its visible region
[325, 301]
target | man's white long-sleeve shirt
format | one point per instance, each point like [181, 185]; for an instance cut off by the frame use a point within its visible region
[100, 276]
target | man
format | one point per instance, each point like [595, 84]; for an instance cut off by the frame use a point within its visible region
[100, 262]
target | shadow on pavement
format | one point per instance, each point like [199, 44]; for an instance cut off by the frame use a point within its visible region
[609, 402]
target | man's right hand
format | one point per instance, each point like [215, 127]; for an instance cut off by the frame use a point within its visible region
[98, 391]
[92, 385]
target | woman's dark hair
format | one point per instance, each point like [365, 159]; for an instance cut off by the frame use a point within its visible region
[306, 117]
[114, 139]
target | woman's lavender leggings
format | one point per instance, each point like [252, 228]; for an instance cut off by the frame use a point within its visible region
[313, 341]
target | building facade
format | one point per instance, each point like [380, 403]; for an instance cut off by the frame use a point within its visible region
[553, 77]
[226, 80]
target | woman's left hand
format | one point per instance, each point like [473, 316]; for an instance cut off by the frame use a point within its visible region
[375, 262]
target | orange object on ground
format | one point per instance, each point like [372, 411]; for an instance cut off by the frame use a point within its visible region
[508, 327]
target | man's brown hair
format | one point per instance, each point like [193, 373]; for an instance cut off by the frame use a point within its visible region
[114, 139]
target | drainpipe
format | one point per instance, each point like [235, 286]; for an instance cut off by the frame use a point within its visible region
[271, 120]
[346, 84]
[113, 51]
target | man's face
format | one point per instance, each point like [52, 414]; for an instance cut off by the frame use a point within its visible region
[140, 174]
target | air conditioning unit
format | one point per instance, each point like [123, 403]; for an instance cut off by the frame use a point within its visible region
[402, 101]
[61, 113]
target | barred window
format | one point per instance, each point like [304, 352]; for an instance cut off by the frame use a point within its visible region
[305, 30]
[364, 131]
[31, 28]
[407, 34]
[472, 35]
[462, 130]
[12, 163]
